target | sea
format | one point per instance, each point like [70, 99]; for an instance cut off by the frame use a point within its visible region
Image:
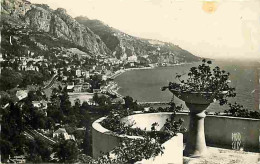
[145, 85]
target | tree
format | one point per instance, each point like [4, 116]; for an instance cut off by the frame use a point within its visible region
[129, 102]
[65, 104]
[103, 100]
[38, 151]
[95, 98]
[66, 150]
[85, 105]
[12, 140]
[77, 103]
[32, 77]
[54, 113]
[33, 116]
[4, 98]
[95, 82]
[9, 79]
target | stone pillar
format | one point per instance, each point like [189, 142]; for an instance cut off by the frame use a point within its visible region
[196, 144]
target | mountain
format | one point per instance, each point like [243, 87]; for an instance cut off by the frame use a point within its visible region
[51, 24]
[37, 27]
[121, 43]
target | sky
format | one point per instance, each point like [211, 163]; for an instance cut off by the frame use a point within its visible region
[206, 28]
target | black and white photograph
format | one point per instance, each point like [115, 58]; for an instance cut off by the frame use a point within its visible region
[130, 81]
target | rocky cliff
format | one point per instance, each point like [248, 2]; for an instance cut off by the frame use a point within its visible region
[56, 27]
[57, 23]
[123, 44]
[15, 8]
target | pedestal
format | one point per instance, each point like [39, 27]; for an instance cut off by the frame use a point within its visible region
[196, 144]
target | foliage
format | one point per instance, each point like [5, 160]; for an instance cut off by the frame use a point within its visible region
[237, 110]
[173, 127]
[10, 79]
[113, 123]
[173, 108]
[38, 151]
[170, 129]
[66, 150]
[130, 151]
[95, 82]
[12, 140]
[203, 79]
[32, 77]
[101, 100]
[133, 150]
[33, 117]
[131, 104]
[5, 98]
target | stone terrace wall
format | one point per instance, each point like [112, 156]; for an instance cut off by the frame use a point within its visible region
[105, 140]
[222, 131]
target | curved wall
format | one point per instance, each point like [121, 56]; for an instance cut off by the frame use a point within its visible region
[105, 140]
[221, 131]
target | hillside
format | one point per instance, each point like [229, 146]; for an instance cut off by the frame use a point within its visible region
[38, 28]
[48, 28]
[120, 43]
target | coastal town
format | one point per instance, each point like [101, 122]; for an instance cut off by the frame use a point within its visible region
[79, 72]
[61, 100]
[34, 78]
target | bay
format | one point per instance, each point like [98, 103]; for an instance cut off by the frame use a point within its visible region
[145, 85]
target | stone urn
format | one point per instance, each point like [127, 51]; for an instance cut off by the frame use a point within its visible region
[197, 102]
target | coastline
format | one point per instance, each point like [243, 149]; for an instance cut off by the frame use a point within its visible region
[119, 72]
[114, 88]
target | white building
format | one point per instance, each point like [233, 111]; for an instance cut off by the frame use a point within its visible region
[63, 132]
[132, 58]
[21, 94]
[87, 75]
[78, 72]
[70, 88]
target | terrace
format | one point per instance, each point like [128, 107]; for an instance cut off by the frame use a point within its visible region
[229, 139]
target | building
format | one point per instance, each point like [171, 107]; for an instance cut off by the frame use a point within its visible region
[40, 104]
[85, 87]
[17, 159]
[78, 72]
[63, 132]
[132, 59]
[132, 64]
[70, 88]
[79, 80]
[87, 75]
[64, 78]
[77, 88]
[21, 94]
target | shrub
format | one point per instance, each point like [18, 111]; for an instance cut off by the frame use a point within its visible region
[204, 79]
[237, 110]
[132, 150]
